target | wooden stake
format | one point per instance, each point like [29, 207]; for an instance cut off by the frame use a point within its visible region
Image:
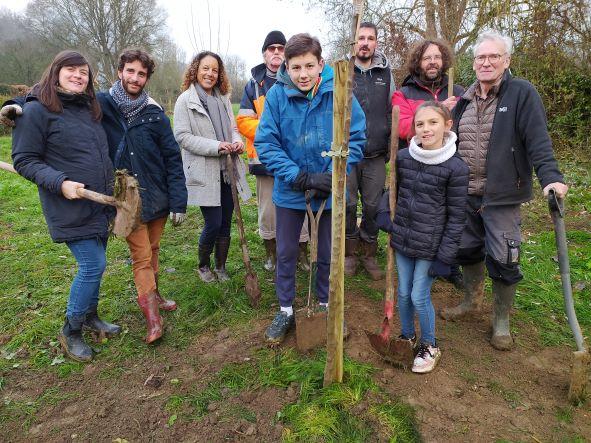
[342, 98]
[450, 82]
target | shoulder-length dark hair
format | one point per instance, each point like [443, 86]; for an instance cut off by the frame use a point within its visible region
[47, 88]
[223, 83]
[416, 54]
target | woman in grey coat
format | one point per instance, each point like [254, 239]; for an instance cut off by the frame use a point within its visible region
[205, 129]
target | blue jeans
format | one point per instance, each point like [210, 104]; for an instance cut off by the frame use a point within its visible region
[90, 254]
[414, 294]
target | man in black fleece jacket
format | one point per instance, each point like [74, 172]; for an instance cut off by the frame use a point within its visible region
[502, 134]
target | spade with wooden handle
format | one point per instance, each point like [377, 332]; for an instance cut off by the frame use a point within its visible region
[128, 205]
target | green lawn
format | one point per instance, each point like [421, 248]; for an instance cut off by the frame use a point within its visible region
[36, 275]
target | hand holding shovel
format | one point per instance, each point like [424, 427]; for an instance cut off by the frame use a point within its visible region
[128, 204]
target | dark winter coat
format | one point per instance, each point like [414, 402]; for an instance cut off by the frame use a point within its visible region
[48, 148]
[519, 142]
[430, 208]
[146, 147]
[373, 88]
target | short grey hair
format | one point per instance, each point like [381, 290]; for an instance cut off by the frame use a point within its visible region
[494, 36]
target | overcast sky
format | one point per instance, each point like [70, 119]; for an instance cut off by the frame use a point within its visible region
[244, 24]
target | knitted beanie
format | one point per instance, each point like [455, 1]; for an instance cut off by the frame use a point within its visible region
[274, 38]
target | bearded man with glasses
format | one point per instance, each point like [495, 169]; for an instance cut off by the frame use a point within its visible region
[502, 135]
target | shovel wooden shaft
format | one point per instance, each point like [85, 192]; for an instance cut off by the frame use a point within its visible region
[239, 221]
[7, 167]
[84, 193]
[450, 82]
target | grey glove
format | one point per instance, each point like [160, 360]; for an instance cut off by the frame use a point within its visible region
[9, 113]
[177, 218]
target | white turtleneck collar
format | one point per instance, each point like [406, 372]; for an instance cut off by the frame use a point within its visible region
[434, 156]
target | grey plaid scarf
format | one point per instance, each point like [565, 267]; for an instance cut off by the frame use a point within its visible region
[129, 108]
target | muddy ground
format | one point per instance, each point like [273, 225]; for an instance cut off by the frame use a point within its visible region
[475, 394]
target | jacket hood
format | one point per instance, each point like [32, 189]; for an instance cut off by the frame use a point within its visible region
[378, 60]
[292, 90]
[258, 72]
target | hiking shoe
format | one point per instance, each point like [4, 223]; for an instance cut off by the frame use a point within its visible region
[279, 327]
[426, 359]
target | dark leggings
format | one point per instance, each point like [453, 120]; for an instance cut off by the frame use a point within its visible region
[218, 219]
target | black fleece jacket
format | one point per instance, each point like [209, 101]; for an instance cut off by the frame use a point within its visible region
[519, 142]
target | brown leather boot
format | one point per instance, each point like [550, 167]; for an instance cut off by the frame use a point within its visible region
[271, 250]
[369, 262]
[351, 260]
[164, 304]
[149, 306]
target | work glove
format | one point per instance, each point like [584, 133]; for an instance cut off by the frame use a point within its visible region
[384, 223]
[317, 193]
[307, 181]
[439, 269]
[9, 113]
[177, 218]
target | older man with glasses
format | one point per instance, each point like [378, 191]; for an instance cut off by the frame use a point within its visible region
[502, 134]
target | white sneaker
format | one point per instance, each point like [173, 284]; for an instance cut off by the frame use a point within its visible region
[426, 359]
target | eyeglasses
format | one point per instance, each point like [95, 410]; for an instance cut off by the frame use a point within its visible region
[278, 48]
[492, 58]
[432, 58]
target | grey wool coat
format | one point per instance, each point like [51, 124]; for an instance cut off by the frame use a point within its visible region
[195, 135]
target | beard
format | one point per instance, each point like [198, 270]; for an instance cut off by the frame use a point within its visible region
[362, 57]
[431, 78]
[126, 84]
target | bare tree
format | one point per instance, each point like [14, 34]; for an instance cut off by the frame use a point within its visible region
[100, 28]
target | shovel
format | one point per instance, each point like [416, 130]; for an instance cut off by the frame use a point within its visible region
[581, 358]
[252, 283]
[127, 200]
[394, 350]
[310, 325]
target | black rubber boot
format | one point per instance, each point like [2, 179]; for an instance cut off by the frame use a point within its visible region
[95, 324]
[205, 273]
[503, 296]
[72, 342]
[456, 278]
[473, 294]
[222, 246]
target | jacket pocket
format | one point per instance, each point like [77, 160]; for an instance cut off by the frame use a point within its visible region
[195, 171]
[516, 167]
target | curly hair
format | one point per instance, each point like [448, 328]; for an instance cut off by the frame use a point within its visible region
[132, 55]
[223, 83]
[415, 55]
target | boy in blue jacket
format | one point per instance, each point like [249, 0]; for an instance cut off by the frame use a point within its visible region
[295, 128]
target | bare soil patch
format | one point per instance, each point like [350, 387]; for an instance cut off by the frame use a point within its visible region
[475, 394]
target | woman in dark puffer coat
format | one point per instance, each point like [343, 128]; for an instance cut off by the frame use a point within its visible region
[428, 224]
[59, 144]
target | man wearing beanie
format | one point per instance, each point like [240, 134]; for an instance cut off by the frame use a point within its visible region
[251, 109]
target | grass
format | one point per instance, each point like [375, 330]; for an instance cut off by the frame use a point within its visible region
[36, 274]
[319, 414]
